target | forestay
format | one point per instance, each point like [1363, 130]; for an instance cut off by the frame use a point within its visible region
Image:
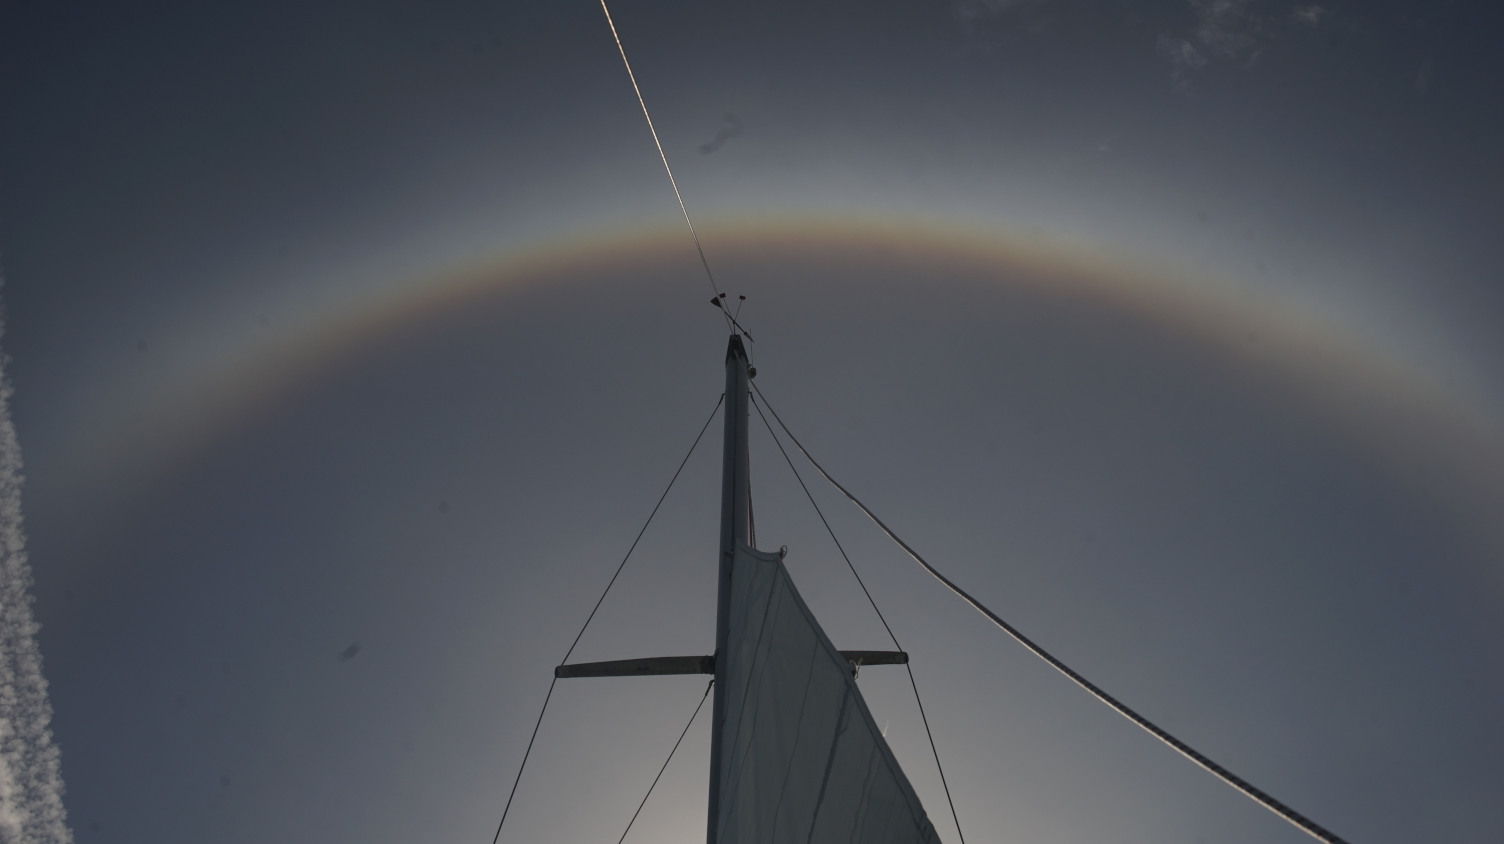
[802, 759]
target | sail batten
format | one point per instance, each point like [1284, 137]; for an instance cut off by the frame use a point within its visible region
[802, 759]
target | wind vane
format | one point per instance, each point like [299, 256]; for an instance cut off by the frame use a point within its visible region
[719, 301]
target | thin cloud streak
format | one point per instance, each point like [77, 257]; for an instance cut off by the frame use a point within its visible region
[970, 10]
[31, 779]
[732, 129]
[1229, 31]
[1310, 15]
[1223, 30]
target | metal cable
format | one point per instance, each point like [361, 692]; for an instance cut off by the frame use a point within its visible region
[546, 698]
[665, 764]
[714, 290]
[1305, 824]
[525, 754]
[912, 682]
[644, 530]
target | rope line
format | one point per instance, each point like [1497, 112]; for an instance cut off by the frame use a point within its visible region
[546, 698]
[665, 764]
[714, 289]
[644, 530]
[1264, 799]
[525, 754]
[896, 646]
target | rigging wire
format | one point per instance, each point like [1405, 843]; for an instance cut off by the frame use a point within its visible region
[546, 698]
[714, 289]
[912, 682]
[1266, 800]
[665, 764]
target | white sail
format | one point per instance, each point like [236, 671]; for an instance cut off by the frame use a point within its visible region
[802, 759]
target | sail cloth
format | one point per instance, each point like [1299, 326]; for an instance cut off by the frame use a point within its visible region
[802, 760]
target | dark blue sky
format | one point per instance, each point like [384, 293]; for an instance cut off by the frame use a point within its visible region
[1171, 330]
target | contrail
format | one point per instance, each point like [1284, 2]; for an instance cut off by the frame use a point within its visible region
[31, 779]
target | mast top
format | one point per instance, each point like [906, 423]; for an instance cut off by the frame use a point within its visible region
[735, 347]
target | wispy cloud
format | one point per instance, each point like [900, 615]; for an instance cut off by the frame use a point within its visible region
[1222, 29]
[1225, 27]
[31, 780]
[980, 22]
[1181, 52]
[731, 129]
[1423, 75]
[971, 10]
[1229, 31]
[1311, 15]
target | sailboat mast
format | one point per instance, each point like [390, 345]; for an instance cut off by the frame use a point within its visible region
[734, 506]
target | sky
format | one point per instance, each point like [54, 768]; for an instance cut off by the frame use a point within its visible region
[349, 345]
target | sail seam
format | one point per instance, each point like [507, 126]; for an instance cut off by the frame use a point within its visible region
[793, 616]
[885, 754]
[736, 740]
[923, 717]
[842, 722]
[1264, 799]
[866, 795]
[788, 769]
